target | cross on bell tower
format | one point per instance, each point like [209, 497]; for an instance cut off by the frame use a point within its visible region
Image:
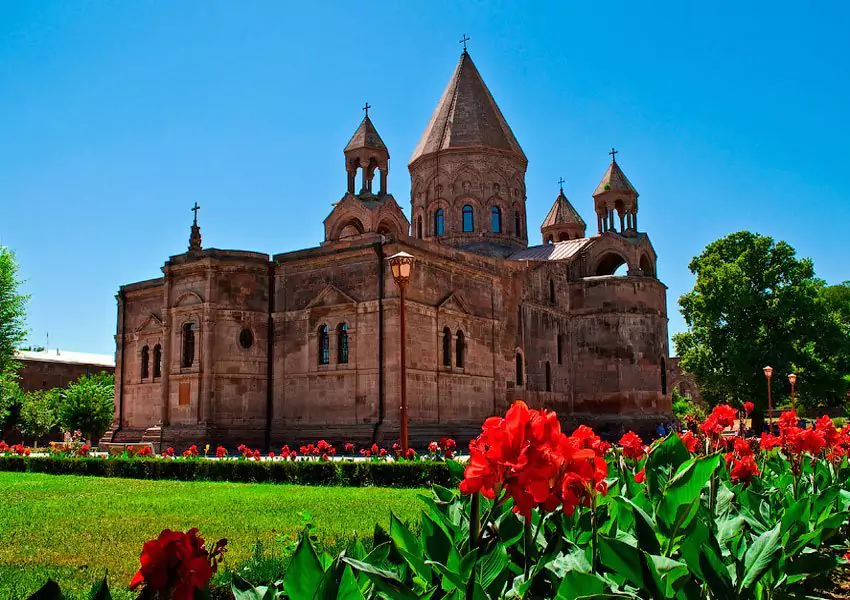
[195, 232]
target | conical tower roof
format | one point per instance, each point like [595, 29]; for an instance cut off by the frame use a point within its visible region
[562, 213]
[467, 116]
[366, 136]
[614, 180]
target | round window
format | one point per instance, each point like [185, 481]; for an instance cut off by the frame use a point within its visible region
[246, 338]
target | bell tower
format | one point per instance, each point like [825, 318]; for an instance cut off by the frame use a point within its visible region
[563, 221]
[366, 153]
[615, 196]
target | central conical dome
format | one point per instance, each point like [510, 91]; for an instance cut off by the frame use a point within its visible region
[466, 117]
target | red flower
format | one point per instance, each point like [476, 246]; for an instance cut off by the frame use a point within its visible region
[256, 455]
[410, 454]
[742, 447]
[769, 441]
[4, 446]
[787, 419]
[744, 470]
[84, 450]
[433, 448]
[447, 444]
[748, 407]
[632, 446]
[176, 564]
[382, 452]
[192, 451]
[830, 433]
[812, 441]
[640, 476]
[325, 457]
[221, 452]
[271, 454]
[145, 451]
[169, 451]
[689, 440]
[349, 448]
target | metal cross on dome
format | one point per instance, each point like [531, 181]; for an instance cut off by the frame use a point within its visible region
[614, 154]
[195, 210]
[463, 41]
[366, 108]
[561, 183]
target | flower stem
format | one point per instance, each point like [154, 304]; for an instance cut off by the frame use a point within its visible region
[526, 541]
[474, 520]
[594, 547]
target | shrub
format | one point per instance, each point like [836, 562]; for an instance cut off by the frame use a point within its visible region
[88, 405]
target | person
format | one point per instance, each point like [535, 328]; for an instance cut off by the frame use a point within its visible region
[660, 430]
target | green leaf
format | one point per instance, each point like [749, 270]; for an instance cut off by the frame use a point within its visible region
[242, 590]
[666, 456]
[101, 591]
[348, 588]
[644, 527]
[493, 565]
[436, 540]
[622, 559]
[759, 557]
[577, 584]
[49, 591]
[408, 546]
[685, 487]
[304, 572]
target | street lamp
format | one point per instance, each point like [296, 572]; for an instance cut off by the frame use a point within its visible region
[401, 263]
[768, 373]
[792, 379]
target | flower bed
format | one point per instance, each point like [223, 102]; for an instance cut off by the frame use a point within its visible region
[542, 514]
[302, 472]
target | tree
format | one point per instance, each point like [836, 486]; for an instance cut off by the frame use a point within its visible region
[756, 304]
[12, 311]
[88, 405]
[38, 412]
[837, 298]
[11, 399]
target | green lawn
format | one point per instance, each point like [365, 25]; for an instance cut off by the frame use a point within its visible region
[75, 528]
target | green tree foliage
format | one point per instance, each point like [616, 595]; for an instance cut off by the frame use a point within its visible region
[837, 298]
[11, 399]
[12, 311]
[87, 405]
[38, 412]
[756, 304]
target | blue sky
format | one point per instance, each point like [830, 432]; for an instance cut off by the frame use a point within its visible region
[116, 116]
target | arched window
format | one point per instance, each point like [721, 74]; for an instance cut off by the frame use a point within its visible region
[440, 222]
[188, 358]
[551, 291]
[459, 350]
[419, 227]
[548, 377]
[145, 362]
[560, 348]
[157, 361]
[517, 224]
[342, 342]
[496, 219]
[519, 369]
[447, 347]
[323, 345]
[663, 377]
[468, 220]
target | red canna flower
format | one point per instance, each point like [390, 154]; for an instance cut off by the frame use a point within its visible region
[349, 448]
[271, 454]
[4, 447]
[169, 451]
[632, 446]
[410, 454]
[221, 452]
[812, 441]
[176, 564]
[830, 433]
[84, 450]
[256, 455]
[744, 469]
[787, 419]
[742, 447]
[769, 441]
[749, 407]
[433, 448]
[689, 440]
[640, 476]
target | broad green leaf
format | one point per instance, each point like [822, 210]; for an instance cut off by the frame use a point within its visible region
[621, 558]
[436, 540]
[453, 577]
[685, 487]
[493, 565]
[408, 546]
[49, 591]
[576, 585]
[809, 564]
[242, 590]
[348, 588]
[101, 591]
[662, 460]
[644, 527]
[304, 572]
[759, 557]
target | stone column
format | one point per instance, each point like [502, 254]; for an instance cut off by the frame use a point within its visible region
[167, 341]
[622, 222]
[599, 221]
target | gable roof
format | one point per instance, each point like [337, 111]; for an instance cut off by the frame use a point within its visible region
[562, 213]
[557, 251]
[466, 116]
[615, 180]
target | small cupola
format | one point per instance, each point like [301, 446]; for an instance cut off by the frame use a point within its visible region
[563, 221]
[616, 195]
[366, 152]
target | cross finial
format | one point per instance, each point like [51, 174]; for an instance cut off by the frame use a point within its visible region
[366, 108]
[195, 210]
[463, 41]
[614, 154]
[561, 183]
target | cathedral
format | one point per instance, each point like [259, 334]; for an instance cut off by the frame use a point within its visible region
[236, 346]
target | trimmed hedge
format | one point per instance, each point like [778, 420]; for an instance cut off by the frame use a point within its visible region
[341, 473]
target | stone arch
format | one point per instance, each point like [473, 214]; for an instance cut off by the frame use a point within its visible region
[188, 299]
[348, 228]
[609, 262]
[646, 265]
[433, 207]
[519, 367]
[463, 175]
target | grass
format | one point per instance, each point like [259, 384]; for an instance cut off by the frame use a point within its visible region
[74, 529]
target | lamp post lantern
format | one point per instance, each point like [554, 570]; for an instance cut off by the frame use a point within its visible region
[768, 373]
[401, 264]
[792, 379]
